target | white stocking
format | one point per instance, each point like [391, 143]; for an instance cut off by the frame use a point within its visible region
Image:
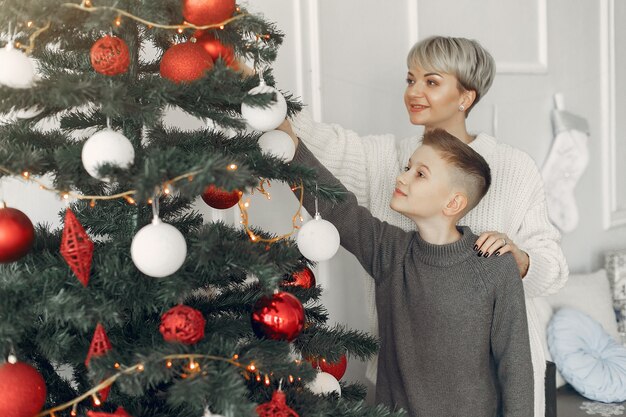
[566, 162]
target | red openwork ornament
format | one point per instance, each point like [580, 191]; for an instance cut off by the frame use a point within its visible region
[76, 247]
[182, 324]
[279, 317]
[303, 278]
[277, 407]
[220, 199]
[110, 56]
[100, 344]
[120, 412]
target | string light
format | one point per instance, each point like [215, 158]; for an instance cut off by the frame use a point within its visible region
[26, 174]
[88, 7]
[232, 167]
[168, 364]
[116, 366]
[96, 400]
[74, 413]
[118, 21]
[295, 220]
[140, 367]
[267, 380]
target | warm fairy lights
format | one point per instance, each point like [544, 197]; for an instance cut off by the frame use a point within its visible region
[89, 7]
[191, 370]
[296, 220]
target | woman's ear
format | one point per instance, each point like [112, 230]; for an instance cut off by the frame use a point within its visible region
[468, 98]
[455, 205]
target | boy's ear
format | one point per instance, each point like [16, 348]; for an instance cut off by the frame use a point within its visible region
[455, 205]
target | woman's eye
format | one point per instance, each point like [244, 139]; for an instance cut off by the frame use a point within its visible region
[410, 81]
[420, 174]
[405, 169]
[431, 82]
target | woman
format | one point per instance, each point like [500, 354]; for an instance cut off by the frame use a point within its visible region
[446, 78]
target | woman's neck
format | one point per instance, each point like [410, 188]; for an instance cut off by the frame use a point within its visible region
[458, 130]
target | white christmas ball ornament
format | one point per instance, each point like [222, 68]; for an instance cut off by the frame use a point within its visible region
[265, 118]
[318, 239]
[16, 70]
[278, 144]
[158, 249]
[107, 146]
[324, 383]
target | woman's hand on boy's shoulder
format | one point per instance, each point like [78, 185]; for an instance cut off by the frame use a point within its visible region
[494, 243]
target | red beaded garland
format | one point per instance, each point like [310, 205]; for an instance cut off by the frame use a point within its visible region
[278, 317]
[182, 324]
[110, 56]
[185, 62]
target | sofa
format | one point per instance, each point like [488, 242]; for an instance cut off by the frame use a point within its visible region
[598, 295]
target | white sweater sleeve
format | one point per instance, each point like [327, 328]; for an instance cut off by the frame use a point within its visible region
[548, 271]
[349, 157]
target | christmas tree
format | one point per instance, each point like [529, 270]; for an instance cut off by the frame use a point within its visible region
[137, 306]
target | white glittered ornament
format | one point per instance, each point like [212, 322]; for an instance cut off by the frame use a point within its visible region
[265, 118]
[324, 383]
[107, 146]
[158, 249]
[318, 239]
[278, 144]
[16, 70]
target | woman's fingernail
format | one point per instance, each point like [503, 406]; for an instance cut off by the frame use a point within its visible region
[486, 254]
[475, 247]
[498, 253]
[480, 253]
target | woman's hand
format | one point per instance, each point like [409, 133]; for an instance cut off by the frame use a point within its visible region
[496, 243]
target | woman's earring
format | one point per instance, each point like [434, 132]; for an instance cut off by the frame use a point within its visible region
[461, 108]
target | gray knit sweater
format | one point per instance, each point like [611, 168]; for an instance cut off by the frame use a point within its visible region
[454, 337]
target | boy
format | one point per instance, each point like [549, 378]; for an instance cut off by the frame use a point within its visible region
[454, 337]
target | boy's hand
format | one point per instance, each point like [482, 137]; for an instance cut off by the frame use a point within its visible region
[496, 243]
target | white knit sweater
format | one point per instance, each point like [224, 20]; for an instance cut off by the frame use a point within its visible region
[515, 205]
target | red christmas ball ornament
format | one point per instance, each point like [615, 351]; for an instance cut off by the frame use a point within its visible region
[208, 12]
[185, 62]
[216, 49]
[279, 317]
[110, 56]
[303, 278]
[277, 407]
[336, 369]
[182, 324]
[22, 390]
[16, 234]
[220, 199]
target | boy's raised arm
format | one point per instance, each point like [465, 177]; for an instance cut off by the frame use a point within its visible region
[510, 342]
[376, 244]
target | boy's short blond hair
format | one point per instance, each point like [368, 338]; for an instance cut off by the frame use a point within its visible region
[466, 59]
[472, 174]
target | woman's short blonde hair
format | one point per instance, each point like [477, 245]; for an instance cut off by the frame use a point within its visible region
[466, 59]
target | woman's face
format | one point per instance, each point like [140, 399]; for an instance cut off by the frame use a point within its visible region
[433, 98]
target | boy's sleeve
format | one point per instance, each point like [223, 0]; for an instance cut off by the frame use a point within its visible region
[376, 244]
[510, 342]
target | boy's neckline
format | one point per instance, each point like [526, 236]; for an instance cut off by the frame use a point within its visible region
[449, 253]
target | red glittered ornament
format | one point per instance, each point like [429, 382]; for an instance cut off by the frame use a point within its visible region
[110, 56]
[277, 407]
[182, 324]
[208, 12]
[22, 390]
[16, 234]
[336, 369]
[278, 317]
[185, 62]
[303, 278]
[120, 412]
[76, 247]
[219, 198]
[216, 49]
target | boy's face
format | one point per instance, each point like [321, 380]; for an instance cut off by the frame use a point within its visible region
[424, 188]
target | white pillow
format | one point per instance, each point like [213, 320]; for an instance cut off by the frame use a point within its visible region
[589, 293]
